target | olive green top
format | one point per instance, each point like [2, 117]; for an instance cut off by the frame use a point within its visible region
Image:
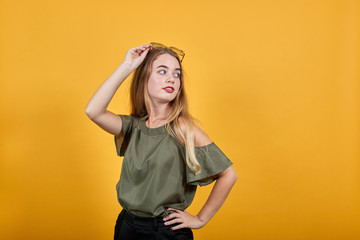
[154, 172]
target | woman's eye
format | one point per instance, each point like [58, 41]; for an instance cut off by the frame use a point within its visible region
[177, 74]
[162, 71]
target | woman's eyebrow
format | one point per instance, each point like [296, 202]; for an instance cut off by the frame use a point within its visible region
[167, 67]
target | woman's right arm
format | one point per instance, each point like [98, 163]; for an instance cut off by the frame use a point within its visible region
[96, 109]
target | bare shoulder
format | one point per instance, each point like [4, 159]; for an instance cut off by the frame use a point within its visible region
[200, 137]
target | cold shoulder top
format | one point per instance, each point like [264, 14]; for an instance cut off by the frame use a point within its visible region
[154, 172]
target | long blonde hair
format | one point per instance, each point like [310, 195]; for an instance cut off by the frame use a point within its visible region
[178, 107]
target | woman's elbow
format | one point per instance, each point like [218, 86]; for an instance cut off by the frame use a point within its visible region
[234, 175]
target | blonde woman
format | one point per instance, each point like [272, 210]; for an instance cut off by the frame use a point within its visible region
[166, 155]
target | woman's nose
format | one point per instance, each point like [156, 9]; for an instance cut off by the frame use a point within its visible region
[170, 79]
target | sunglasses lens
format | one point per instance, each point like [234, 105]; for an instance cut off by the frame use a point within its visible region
[179, 52]
[176, 50]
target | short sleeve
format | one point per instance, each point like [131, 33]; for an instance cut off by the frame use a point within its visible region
[212, 161]
[123, 138]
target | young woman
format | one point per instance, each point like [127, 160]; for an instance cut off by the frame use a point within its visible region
[166, 155]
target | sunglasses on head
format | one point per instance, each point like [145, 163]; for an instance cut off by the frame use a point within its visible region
[179, 52]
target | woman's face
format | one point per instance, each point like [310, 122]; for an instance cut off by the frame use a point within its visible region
[164, 80]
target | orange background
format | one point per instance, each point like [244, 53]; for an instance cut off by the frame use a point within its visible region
[275, 84]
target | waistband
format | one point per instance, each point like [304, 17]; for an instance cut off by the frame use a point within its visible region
[148, 222]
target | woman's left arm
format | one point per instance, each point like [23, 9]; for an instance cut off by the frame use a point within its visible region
[225, 181]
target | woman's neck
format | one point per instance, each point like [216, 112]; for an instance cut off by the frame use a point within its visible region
[158, 115]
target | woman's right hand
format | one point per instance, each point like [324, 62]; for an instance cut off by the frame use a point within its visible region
[136, 55]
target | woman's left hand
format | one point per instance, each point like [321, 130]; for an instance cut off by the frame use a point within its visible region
[185, 220]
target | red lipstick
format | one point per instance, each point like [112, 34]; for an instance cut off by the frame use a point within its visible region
[169, 89]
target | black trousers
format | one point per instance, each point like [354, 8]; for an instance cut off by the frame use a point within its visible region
[131, 227]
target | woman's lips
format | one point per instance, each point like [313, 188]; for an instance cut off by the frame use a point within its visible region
[169, 89]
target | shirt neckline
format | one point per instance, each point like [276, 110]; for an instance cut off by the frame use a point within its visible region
[162, 130]
[151, 131]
